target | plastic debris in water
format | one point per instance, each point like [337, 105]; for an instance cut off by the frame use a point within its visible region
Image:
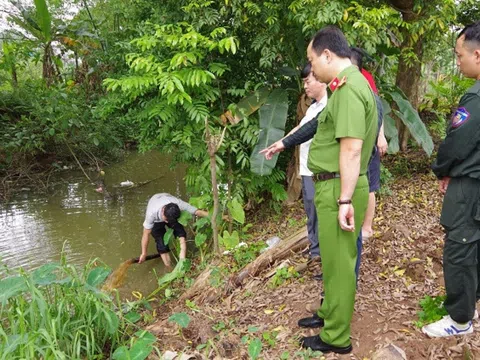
[126, 183]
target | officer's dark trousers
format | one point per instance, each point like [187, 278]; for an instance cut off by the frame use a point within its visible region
[461, 255]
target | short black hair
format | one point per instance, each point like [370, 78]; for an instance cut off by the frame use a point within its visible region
[171, 212]
[307, 69]
[357, 56]
[331, 38]
[472, 33]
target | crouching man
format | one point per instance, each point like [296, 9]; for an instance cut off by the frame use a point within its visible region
[163, 212]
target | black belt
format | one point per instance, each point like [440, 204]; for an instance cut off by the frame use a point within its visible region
[325, 176]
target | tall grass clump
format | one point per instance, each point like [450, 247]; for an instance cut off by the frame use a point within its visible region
[58, 312]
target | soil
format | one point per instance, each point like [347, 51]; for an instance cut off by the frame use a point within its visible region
[401, 264]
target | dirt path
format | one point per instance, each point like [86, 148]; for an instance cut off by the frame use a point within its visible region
[400, 265]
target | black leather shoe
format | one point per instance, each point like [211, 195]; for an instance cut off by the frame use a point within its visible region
[311, 322]
[317, 344]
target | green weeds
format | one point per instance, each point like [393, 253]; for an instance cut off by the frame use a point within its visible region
[432, 310]
[58, 312]
[282, 275]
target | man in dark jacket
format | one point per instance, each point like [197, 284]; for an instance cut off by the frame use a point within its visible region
[458, 169]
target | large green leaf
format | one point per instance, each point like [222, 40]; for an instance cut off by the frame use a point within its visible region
[391, 133]
[228, 240]
[236, 210]
[112, 321]
[184, 218]
[248, 105]
[255, 348]
[98, 275]
[182, 319]
[11, 286]
[133, 316]
[273, 115]
[411, 119]
[12, 342]
[168, 236]
[45, 274]
[180, 269]
[140, 350]
[146, 336]
[200, 239]
[121, 353]
[44, 19]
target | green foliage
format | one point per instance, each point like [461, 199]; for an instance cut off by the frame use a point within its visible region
[236, 210]
[244, 255]
[200, 239]
[181, 319]
[44, 18]
[432, 310]
[184, 218]
[218, 276]
[229, 240]
[270, 338]
[442, 98]
[57, 311]
[180, 269]
[409, 116]
[386, 178]
[222, 326]
[282, 275]
[273, 115]
[249, 104]
[254, 348]
[36, 120]
[168, 236]
[141, 345]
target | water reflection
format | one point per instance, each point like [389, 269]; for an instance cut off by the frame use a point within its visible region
[35, 228]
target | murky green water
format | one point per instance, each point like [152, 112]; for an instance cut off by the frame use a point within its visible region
[34, 228]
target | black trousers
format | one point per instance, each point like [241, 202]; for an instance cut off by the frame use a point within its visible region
[462, 271]
[461, 254]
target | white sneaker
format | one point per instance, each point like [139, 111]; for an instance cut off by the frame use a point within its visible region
[447, 327]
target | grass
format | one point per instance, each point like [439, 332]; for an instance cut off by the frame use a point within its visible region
[58, 312]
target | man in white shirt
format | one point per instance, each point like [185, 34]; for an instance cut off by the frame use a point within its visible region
[317, 91]
[163, 211]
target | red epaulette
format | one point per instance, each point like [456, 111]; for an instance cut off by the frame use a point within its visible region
[335, 83]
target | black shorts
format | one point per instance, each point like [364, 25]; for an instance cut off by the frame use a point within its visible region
[373, 172]
[158, 232]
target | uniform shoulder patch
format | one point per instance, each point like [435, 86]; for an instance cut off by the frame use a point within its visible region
[460, 117]
[336, 83]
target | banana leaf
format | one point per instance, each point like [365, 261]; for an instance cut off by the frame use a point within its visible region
[391, 132]
[247, 106]
[412, 121]
[44, 19]
[273, 115]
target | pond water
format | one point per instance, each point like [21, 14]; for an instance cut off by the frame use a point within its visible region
[34, 228]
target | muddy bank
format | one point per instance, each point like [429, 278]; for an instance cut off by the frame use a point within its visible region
[400, 265]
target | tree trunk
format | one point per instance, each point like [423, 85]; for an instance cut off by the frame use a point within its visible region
[212, 149]
[409, 71]
[203, 291]
[408, 80]
[14, 76]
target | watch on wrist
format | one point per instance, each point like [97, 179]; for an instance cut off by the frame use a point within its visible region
[344, 202]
